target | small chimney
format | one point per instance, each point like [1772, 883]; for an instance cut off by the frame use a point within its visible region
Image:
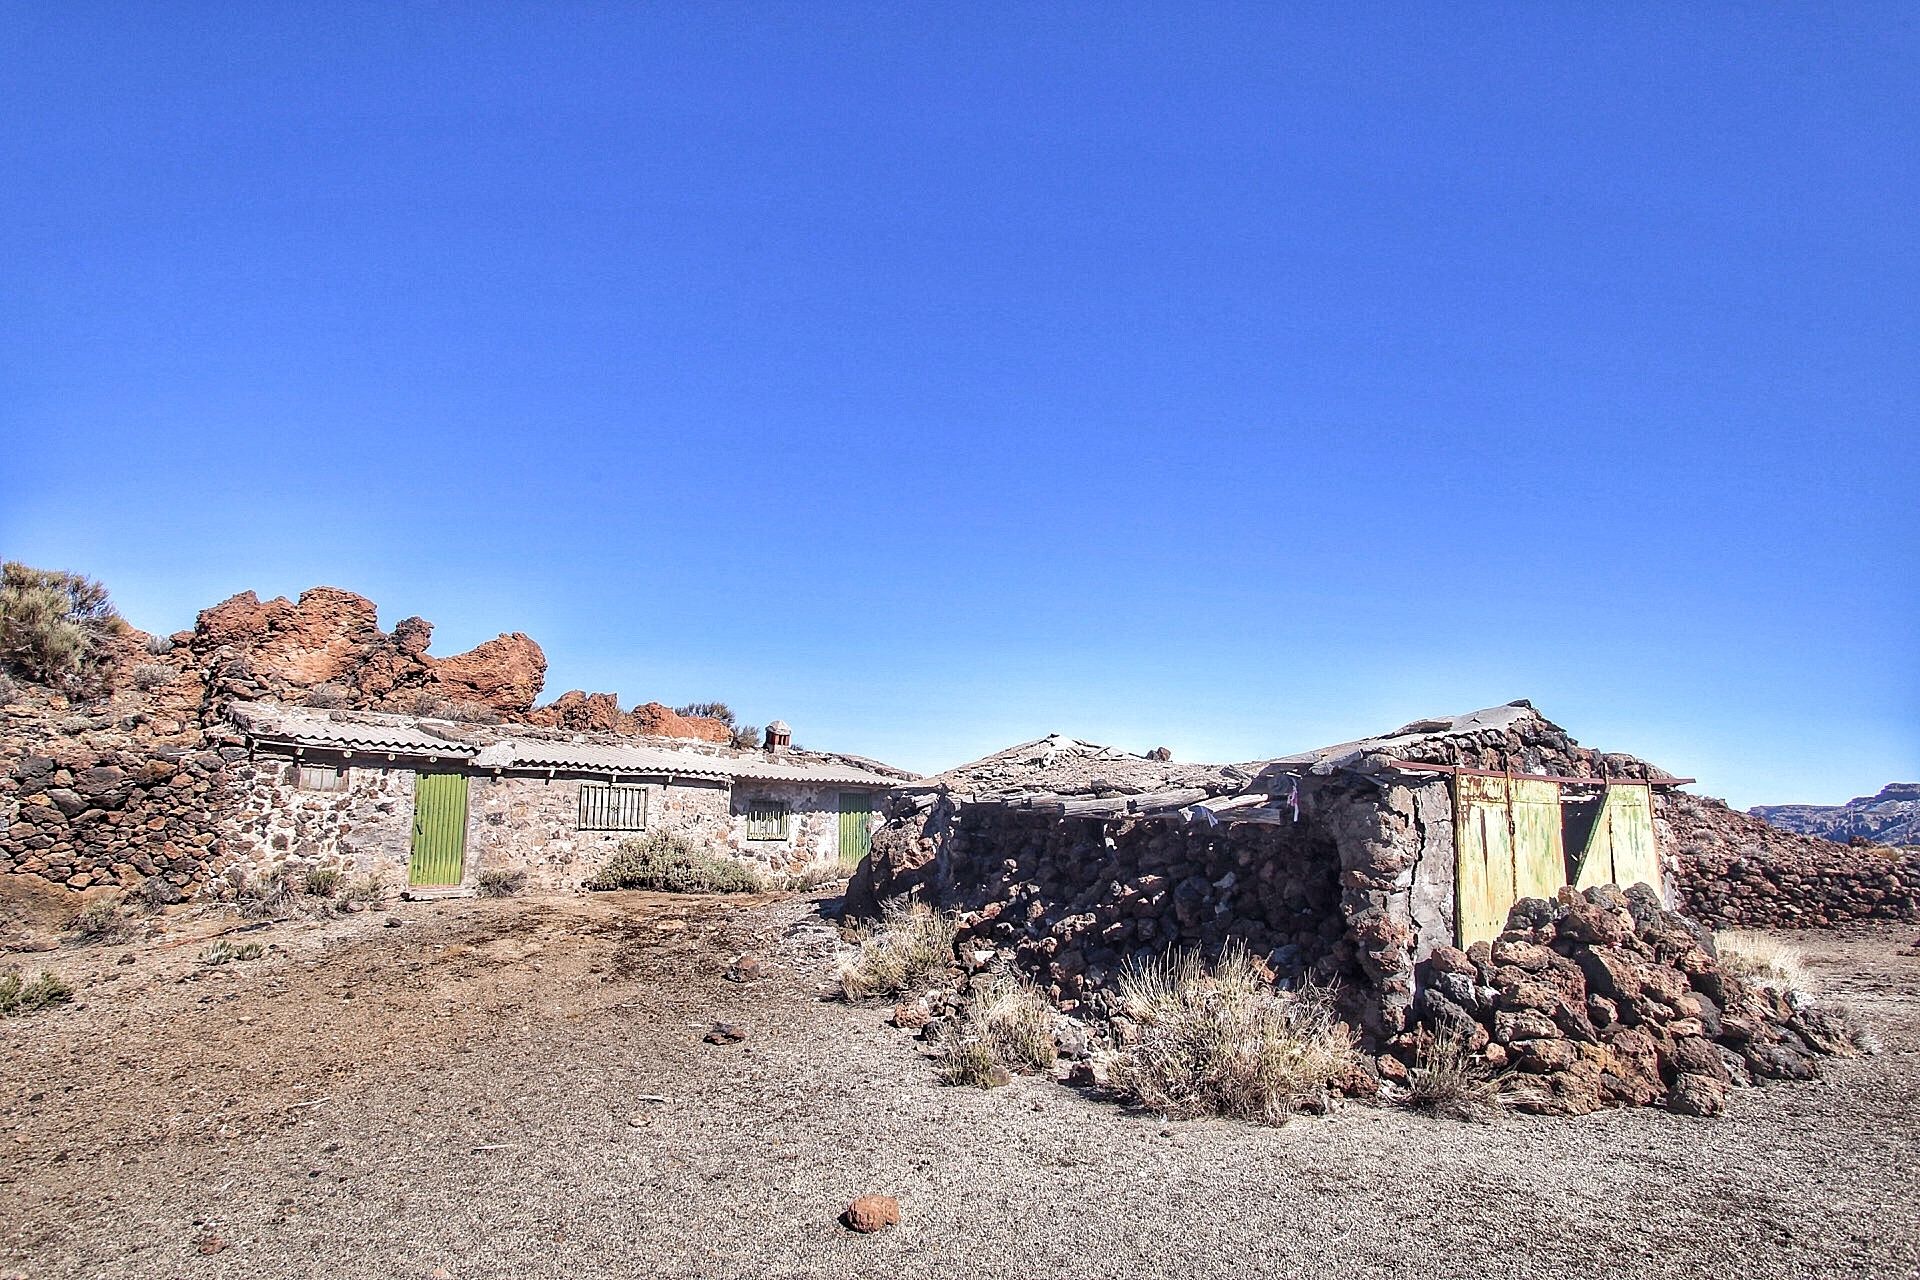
[779, 737]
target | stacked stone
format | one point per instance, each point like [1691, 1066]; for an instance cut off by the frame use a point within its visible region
[1735, 870]
[1606, 999]
[119, 817]
[1073, 900]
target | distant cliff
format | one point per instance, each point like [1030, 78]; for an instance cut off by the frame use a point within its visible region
[1892, 817]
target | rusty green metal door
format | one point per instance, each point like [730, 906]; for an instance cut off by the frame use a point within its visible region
[1622, 849]
[1483, 838]
[1508, 839]
[439, 829]
[856, 827]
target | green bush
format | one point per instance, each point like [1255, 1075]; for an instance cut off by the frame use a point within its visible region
[18, 996]
[51, 624]
[669, 862]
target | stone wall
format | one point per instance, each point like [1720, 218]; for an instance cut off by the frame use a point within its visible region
[1732, 869]
[116, 791]
[531, 824]
[814, 835]
[270, 821]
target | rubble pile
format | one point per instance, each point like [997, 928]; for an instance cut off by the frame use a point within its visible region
[1603, 999]
[1733, 869]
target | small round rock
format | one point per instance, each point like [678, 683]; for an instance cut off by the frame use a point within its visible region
[872, 1213]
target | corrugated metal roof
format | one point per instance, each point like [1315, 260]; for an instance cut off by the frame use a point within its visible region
[597, 757]
[307, 727]
[825, 772]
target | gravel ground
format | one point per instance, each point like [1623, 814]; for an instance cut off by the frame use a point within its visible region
[459, 1096]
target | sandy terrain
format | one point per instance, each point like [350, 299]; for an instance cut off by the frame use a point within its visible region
[459, 1095]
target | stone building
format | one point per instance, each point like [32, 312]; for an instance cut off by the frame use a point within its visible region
[431, 803]
[1347, 864]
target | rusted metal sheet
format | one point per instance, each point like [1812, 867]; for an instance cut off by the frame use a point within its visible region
[1483, 835]
[1540, 858]
[1621, 849]
[1507, 832]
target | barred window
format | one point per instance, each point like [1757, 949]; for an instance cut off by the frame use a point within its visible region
[768, 819]
[320, 777]
[608, 806]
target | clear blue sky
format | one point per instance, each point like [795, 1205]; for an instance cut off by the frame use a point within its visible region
[938, 376]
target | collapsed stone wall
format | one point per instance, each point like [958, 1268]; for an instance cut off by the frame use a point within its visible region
[1073, 899]
[1604, 998]
[1731, 869]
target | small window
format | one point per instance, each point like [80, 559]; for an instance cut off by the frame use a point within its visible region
[609, 806]
[768, 819]
[321, 777]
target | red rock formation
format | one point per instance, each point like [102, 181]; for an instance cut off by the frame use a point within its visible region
[591, 712]
[279, 647]
[655, 718]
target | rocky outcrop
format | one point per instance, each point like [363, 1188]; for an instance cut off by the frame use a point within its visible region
[601, 713]
[1731, 868]
[1892, 817]
[280, 648]
[1605, 999]
[654, 718]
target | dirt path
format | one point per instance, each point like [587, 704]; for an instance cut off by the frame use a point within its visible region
[459, 1095]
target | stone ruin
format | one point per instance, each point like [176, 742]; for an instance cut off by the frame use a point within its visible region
[1340, 867]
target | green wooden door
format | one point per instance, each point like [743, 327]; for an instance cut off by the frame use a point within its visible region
[856, 827]
[439, 829]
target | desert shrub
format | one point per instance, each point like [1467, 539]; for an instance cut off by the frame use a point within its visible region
[327, 696]
[910, 944]
[707, 710]
[499, 882]
[102, 920]
[266, 895]
[1761, 961]
[671, 863]
[159, 646]
[18, 996]
[746, 737]
[9, 691]
[324, 882]
[1008, 1026]
[1225, 1041]
[370, 889]
[149, 676]
[469, 712]
[223, 951]
[51, 624]
[1447, 1081]
[156, 892]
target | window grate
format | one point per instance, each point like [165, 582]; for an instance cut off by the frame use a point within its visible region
[609, 806]
[321, 777]
[768, 820]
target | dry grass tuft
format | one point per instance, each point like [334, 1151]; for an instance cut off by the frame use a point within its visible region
[1226, 1042]
[18, 996]
[102, 920]
[223, 952]
[806, 879]
[910, 944]
[371, 889]
[1447, 1081]
[324, 882]
[499, 882]
[1008, 1028]
[1762, 961]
